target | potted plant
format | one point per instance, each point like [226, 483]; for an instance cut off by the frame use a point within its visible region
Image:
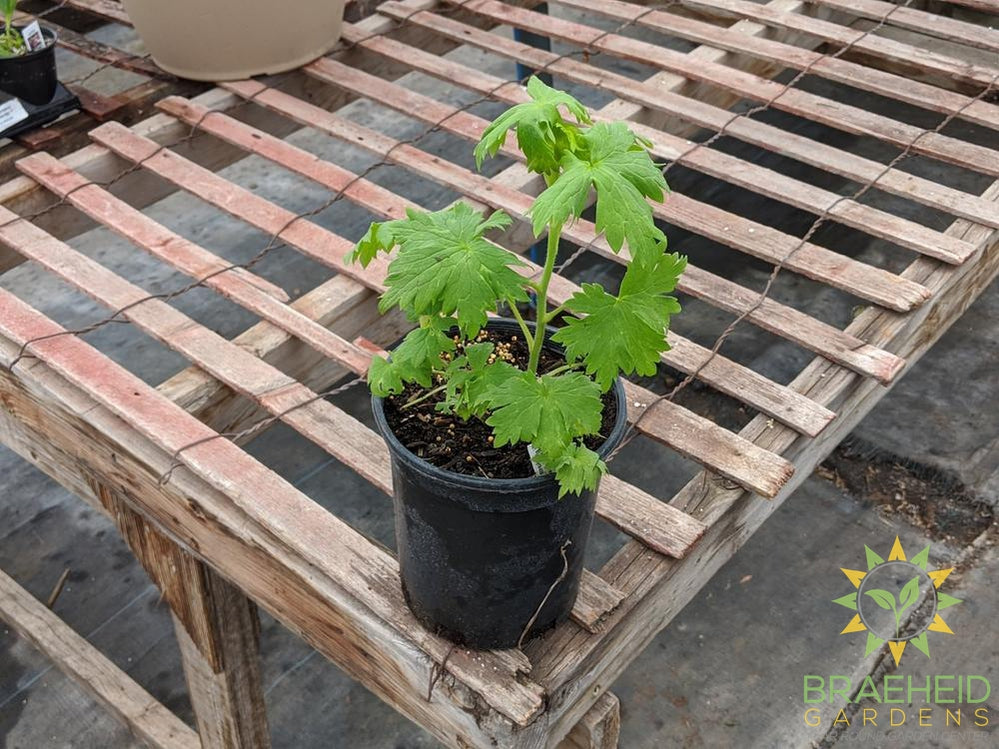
[498, 429]
[235, 39]
[27, 71]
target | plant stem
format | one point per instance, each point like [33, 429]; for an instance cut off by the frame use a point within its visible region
[520, 321]
[554, 313]
[420, 398]
[563, 368]
[539, 339]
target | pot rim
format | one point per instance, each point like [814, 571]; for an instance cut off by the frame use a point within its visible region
[48, 34]
[502, 485]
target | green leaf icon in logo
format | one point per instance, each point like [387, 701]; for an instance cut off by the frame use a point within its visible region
[886, 600]
[908, 595]
[882, 598]
[906, 598]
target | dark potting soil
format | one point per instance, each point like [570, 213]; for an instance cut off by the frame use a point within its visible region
[452, 444]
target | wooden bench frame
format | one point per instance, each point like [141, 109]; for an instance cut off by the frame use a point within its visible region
[224, 534]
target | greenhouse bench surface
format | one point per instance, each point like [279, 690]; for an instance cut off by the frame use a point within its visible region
[220, 532]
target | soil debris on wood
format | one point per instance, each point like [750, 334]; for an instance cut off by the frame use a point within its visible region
[448, 442]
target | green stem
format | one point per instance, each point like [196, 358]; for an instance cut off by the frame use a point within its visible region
[555, 313]
[563, 368]
[420, 398]
[520, 321]
[553, 236]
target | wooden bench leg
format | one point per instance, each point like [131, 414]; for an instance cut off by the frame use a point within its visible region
[599, 728]
[217, 629]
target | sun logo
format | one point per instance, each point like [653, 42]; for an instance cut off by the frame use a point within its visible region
[897, 601]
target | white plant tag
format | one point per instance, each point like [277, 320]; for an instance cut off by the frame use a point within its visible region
[539, 470]
[32, 35]
[11, 112]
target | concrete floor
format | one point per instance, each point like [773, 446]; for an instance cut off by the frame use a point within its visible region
[729, 669]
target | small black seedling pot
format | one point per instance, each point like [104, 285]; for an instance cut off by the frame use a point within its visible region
[31, 76]
[477, 555]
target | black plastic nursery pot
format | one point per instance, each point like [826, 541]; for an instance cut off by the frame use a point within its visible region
[478, 556]
[31, 76]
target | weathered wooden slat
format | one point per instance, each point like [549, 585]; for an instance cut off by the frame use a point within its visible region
[759, 240]
[156, 239]
[630, 509]
[731, 378]
[762, 472]
[148, 720]
[931, 24]
[596, 599]
[835, 114]
[238, 285]
[264, 496]
[879, 47]
[901, 231]
[835, 69]
[24, 196]
[770, 315]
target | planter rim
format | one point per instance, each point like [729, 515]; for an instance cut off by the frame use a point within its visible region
[48, 35]
[529, 484]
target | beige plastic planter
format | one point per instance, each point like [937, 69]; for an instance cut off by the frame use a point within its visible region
[219, 40]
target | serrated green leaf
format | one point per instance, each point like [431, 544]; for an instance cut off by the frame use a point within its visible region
[542, 93]
[384, 379]
[543, 134]
[576, 468]
[547, 412]
[496, 220]
[470, 377]
[624, 333]
[616, 164]
[380, 237]
[566, 197]
[413, 360]
[446, 267]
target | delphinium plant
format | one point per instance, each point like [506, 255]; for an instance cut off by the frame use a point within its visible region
[11, 42]
[448, 277]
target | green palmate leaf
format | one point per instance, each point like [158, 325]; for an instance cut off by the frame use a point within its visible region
[576, 468]
[542, 133]
[618, 166]
[446, 267]
[547, 412]
[624, 333]
[380, 237]
[413, 360]
[383, 378]
[470, 377]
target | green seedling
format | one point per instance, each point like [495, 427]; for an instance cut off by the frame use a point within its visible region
[11, 42]
[447, 275]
